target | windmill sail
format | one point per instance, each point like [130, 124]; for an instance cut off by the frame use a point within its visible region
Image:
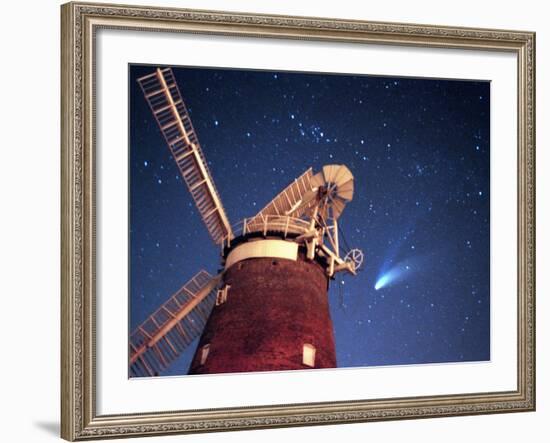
[165, 334]
[164, 99]
[301, 196]
[291, 201]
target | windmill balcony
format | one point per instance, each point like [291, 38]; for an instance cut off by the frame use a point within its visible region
[282, 226]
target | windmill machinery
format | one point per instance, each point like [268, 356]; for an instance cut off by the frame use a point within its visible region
[268, 307]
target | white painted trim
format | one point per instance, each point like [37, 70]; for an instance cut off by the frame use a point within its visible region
[263, 248]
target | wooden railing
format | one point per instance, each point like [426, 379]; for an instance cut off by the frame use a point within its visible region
[281, 224]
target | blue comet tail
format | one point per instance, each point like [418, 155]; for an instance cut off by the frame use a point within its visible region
[395, 274]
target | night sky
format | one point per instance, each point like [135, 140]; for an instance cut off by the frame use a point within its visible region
[419, 152]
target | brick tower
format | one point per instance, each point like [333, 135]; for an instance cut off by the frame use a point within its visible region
[272, 314]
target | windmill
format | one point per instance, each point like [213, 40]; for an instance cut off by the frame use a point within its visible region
[268, 307]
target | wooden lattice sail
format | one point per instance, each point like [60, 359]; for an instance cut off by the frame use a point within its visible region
[302, 195]
[289, 202]
[166, 103]
[165, 334]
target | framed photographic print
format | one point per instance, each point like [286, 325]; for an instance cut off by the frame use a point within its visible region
[260, 206]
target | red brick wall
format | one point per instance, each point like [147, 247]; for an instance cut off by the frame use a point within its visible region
[273, 307]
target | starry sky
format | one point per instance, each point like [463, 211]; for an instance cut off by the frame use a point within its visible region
[419, 152]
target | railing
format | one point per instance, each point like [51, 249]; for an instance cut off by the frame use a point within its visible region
[285, 225]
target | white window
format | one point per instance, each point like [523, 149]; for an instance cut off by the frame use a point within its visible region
[204, 353]
[221, 296]
[309, 355]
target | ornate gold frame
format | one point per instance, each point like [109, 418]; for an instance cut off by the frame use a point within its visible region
[79, 420]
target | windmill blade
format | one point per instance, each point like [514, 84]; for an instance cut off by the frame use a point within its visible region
[164, 99]
[337, 204]
[165, 334]
[301, 196]
[290, 201]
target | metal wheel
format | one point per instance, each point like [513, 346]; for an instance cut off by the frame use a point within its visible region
[355, 256]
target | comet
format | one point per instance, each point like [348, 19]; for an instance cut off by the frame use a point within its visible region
[395, 274]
